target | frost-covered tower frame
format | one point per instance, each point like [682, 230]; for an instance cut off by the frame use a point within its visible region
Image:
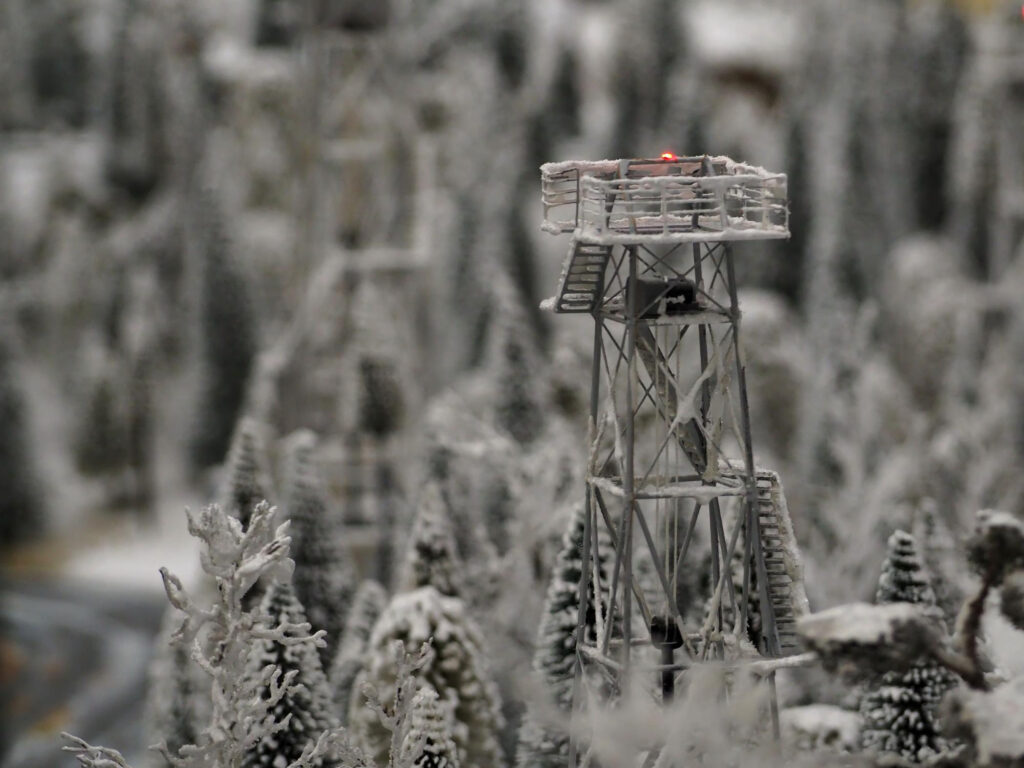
[671, 452]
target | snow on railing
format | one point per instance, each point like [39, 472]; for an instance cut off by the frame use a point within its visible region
[700, 198]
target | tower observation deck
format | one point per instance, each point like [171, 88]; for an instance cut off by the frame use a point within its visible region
[673, 496]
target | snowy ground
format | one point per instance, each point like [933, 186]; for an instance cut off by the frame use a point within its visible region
[131, 559]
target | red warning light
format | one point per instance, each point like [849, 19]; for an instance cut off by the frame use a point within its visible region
[668, 156]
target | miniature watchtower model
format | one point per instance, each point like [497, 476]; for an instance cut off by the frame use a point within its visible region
[672, 491]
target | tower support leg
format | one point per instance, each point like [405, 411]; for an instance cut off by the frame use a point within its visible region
[587, 554]
[769, 632]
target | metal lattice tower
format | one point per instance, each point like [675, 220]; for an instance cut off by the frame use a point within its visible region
[671, 458]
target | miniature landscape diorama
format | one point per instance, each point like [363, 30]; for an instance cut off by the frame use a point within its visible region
[359, 413]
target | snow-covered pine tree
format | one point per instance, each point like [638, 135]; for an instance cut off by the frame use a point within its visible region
[134, 158]
[170, 697]
[899, 715]
[937, 44]
[542, 745]
[498, 512]
[381, 405]
[228, 341]
[101, 439]
[141, 433]
[246, 480]
[428, 742]
[511, 359]
[21, 503]
[324, 581]
[458, 671]
[390, 503]
[308, 701]
[431, 559]
[904, 578]
[367, 606]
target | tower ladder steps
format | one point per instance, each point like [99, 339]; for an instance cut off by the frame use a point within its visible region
[582, 280]
[786, 593]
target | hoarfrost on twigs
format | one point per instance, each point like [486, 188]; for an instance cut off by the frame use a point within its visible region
[457, 670]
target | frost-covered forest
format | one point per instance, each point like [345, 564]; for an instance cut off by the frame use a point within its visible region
[283, 257]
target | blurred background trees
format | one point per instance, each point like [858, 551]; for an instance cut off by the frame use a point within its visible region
[230, 222]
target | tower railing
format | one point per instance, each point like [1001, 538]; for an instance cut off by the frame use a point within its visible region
[688, 199]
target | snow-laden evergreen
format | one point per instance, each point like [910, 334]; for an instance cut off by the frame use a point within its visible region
[324, 580]
[246, 480]
[904, 578]
[430, 557]
[367, 606]
[21, 500]
[458, 441]
[458, 671]
[900, 715]
[229, 340]
[512, 361]
[542, 743]
[307, 702]
[428, 742]
[101, 441]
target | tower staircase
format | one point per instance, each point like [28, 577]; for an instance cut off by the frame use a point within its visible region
[783, 564]
[582, 281]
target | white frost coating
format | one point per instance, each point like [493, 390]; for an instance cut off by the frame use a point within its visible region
[858, 623]
[732, 167]
[736, 167]
[791, 556]
[714, 183]
[997, 719]
[595, 236]
[583, 166]
[820, 725]
[994, 518]
[550, 304]
[693, 490]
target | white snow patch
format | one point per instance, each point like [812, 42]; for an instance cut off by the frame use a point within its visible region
[764, 36]
[997, 718]
[132, 561]
[858, 623]
[815, 726]
[994, 518]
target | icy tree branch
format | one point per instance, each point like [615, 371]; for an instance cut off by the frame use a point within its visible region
[93, 757]
[222, 638]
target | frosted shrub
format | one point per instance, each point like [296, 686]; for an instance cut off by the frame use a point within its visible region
[457, 669]
[249, 698]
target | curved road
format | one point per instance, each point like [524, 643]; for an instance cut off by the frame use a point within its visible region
[72, 659]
